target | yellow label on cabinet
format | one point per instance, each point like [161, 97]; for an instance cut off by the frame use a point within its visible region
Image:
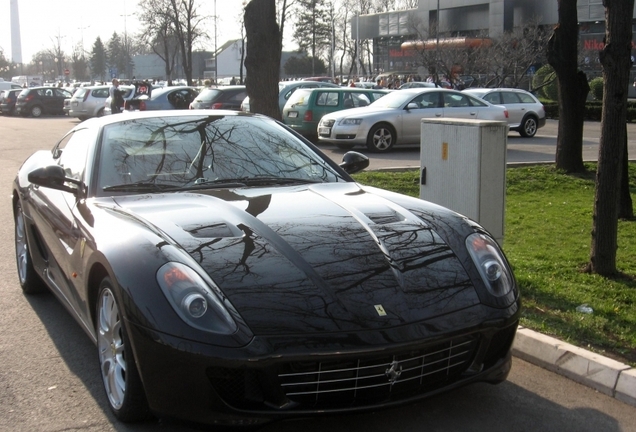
[445, 151]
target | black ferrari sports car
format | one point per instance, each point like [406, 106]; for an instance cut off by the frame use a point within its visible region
[230, 273]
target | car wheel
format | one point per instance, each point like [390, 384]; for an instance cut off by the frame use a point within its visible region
[381, 138]
[36, 111]
[529, 127]
[82, 118]
[100, 113]
[30, 281]
[121, 379]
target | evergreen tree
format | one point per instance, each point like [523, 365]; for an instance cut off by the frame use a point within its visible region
[118, 55]
[313, 28]
[98, 60]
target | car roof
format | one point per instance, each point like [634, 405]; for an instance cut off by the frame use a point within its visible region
[131, 115]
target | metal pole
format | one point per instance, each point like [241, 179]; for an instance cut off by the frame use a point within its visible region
[216, 61]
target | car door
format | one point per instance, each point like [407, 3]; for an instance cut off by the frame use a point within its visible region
[47, 99]
[55, 214]
[458, 105]
[425, 105]
[516, 109]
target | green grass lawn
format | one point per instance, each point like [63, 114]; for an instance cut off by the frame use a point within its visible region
[547, 241]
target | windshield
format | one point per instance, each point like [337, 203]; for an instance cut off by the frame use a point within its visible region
[394, 99]
[194, 152]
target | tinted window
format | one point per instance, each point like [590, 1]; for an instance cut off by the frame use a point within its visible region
[510, 98]
[493, 98]
[526, 98]
[100, 93]
[327, 99]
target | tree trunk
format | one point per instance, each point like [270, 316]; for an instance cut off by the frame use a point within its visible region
[615, 58]
[263, 57]
[625, 206]
[573, 88]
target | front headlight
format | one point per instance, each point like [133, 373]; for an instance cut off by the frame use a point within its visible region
[351, 122]
[491, 265]
[193, 300]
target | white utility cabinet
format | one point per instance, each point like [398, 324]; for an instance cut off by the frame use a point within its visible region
[463, 167]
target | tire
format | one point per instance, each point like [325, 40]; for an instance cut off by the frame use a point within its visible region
[381, 138]
[124, 390]
[529, 127]
[30, 281]
[82, 118]
[100, 113]
[36, 111]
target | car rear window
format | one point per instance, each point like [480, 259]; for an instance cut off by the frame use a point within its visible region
[79, 94]
[526, 98]
[300, 97]
[208, 94]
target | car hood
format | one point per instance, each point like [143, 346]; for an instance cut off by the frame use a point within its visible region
[328, 257]
[360, 112]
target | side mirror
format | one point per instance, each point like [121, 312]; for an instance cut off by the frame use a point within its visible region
[53, 177]
[412, 105]
[353, 162]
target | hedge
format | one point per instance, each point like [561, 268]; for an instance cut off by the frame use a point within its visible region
[593, 110]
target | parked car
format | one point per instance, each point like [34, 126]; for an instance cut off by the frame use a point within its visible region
[287, 88]
[396, 118]
[166, 98]
[526, 113]
[88, 102]
[35, 101]
[229, 273]
[8, 100]
[417, 84]
[306, 107]
[227, 97]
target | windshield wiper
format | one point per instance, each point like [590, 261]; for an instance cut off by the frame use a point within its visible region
[140, 187]
[259, 181]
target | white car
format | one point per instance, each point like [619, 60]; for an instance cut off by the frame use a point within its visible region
[526, 113]
[396, 118]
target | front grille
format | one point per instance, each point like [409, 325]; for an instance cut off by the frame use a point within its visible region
[365, 381]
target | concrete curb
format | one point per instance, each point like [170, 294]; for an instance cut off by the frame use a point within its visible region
[605, 375]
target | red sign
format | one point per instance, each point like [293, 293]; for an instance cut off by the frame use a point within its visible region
[67, 72]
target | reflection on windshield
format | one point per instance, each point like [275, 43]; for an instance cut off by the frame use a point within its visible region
[190, 151]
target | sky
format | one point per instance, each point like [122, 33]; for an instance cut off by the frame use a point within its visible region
[42, 21]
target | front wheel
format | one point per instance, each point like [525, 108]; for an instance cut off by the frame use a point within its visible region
[120, 376]
[30, 281]
[381, 138]
[529, 127]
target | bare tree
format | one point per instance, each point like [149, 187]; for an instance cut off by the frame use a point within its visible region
[188, 27]
[158, 33]
[573, 88]
[616, 63]
[263, 57]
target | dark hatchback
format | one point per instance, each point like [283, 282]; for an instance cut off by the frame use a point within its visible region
[8, 101]
[36, 101]
[229, 97]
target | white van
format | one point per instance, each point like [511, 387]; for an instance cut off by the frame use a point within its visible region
[8, 85]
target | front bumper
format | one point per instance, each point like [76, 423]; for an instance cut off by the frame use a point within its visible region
[279, 377]
[338, 134]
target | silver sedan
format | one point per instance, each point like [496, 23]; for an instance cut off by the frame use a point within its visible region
[396, 118]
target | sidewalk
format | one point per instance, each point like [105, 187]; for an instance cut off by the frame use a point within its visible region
[605, 375]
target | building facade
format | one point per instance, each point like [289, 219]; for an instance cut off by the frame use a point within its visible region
[468, 18]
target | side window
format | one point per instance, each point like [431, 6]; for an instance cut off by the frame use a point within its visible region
[493, 98]
[327, 99]
[100, 93]
[377, 95]
[452, 100]
[73, 148]
[428, 100]
[360, 100]
[510, 98]
[526, 98]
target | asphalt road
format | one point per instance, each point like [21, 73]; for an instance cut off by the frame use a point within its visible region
[49, 379]
[540, 148]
